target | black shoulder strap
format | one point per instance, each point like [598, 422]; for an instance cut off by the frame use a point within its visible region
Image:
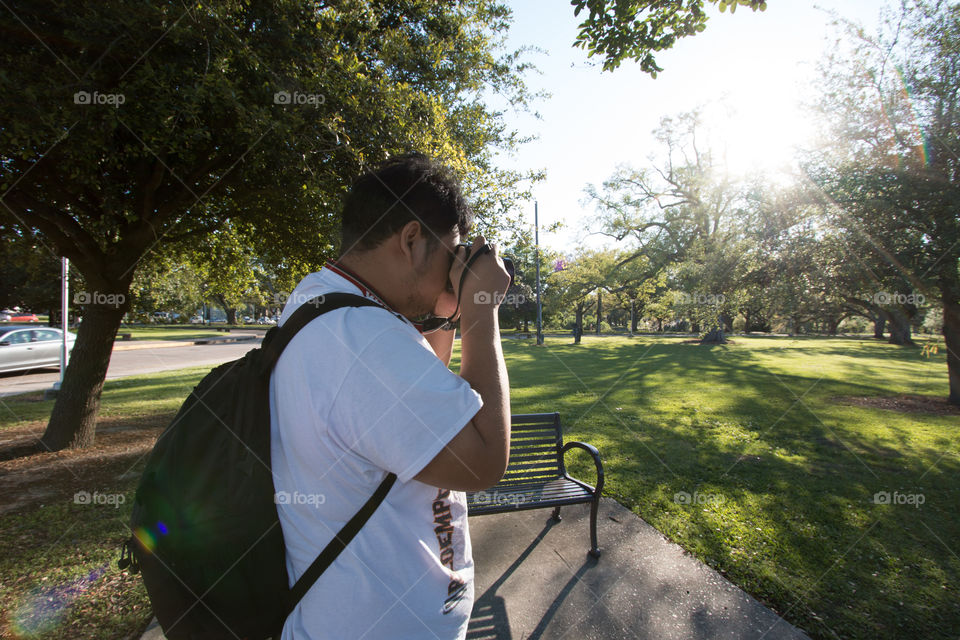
[308, 311]
[339, 542]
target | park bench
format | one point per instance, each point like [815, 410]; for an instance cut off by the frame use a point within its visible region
[537, 476]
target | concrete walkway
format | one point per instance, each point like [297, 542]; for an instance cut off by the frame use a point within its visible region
[534, 579]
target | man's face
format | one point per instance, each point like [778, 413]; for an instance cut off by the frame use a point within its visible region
[430, 293]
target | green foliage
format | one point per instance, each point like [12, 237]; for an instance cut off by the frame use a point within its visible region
[636, 29]
[261, 113]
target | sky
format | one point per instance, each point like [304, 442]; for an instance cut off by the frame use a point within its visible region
[750, 71]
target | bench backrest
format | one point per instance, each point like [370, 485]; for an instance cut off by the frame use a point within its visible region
[535, 444]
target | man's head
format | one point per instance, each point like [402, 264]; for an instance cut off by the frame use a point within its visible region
[405, 188]
[401, 224]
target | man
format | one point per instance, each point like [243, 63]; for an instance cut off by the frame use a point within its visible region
[360, 392]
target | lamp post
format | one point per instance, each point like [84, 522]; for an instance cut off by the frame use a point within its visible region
[64, 302]
[536, 241]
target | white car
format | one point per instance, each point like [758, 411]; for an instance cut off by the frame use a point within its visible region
[31, 347]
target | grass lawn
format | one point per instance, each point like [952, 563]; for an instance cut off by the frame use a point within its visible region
[760, 457]
[173, 332]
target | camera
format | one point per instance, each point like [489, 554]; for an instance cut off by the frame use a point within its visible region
[507, 262]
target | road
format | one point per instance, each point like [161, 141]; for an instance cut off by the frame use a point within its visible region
[134, 362]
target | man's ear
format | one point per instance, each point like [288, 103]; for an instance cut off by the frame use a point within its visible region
[410, 235]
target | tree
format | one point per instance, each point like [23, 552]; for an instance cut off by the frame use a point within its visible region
[622, 29]
[686, 209]
[893, 176]
[128, 125]
[571, 286]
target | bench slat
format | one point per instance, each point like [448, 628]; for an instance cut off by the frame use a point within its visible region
[537, 450]
[534, 418]
[531, 467]
[527, 454]
[532, 442]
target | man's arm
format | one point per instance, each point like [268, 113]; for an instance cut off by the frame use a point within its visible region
[442, 343]
[478, 455]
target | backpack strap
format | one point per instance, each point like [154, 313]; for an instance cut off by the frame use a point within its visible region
[279, 337]
[274, 346]
[339, 543]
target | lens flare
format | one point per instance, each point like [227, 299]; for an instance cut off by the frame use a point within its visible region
[145, 538]
[44, 609]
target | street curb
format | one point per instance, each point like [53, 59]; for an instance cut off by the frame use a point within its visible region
[225, 339]
[150, 344]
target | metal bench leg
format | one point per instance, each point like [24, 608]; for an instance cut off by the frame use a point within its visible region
[594, 549]
[556, 514]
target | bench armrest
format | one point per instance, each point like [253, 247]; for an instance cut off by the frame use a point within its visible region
[592, 450]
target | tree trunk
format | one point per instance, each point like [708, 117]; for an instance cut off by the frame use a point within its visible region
[899, 327]
[74, 418]
[879, 326]
[832, 324]
[578, 325]
[633, 317]
[714, 336]
[951, 338]
[526, 325]
[599, 309]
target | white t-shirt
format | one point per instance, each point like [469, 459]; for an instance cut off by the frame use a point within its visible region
[359, 392]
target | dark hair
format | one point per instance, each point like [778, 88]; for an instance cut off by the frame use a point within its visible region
[404, 188]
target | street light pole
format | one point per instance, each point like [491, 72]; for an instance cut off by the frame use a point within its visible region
[64, 302]
[536, 240]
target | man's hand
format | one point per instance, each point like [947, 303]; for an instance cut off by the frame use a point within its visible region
[486, 280]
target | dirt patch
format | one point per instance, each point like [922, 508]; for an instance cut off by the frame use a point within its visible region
[30, 476]
[904, 404]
